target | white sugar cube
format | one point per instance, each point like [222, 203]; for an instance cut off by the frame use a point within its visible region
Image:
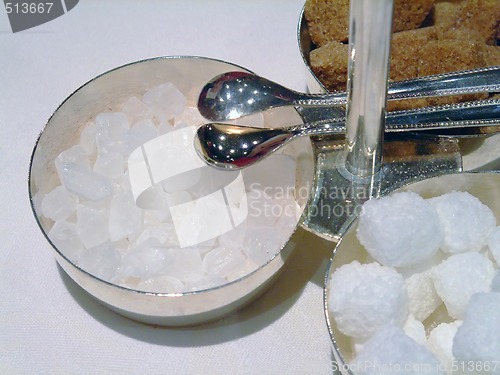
[111, 128]
[494, 244]
[65, 238]
[142, 132]
[85, 183]
[440, 342]
[390, 351]
[110, 164]
[136, 110]
[161, 284]
[102, 261]
[59, 204]
[363, 298]
[460, 276]
[422, 296]
[222, 261]
[466, 220]
[165, 100]
[415, 330]
[477, 339]
[400, 230]
[125, 218]
[92, 224]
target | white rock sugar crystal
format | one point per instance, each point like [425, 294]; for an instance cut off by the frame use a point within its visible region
[59, 204]
[366, 297]
[478, 338]
[111, 129]
[125, 218]
[110, 164]
[137, 244]
[139, 134]
[85, 183]
[92, 224]
[65, 237]
[494, 244]
[165, 100]
[460, 276]
[440, 342]
[422, 296]
[415, 330]
[136, 110]
[161, 284]
[72, 156]
[390, 351]
[88, 139]
[400, 230]
[467, 222]
[102, 261]
[222, 261]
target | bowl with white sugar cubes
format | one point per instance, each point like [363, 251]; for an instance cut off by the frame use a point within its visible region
[413, 286]
[138, 220]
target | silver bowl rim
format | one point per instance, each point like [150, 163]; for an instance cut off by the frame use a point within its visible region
[130, 290]
[332, 258]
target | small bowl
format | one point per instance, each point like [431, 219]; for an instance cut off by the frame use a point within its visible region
[483, 185]
[106, 92]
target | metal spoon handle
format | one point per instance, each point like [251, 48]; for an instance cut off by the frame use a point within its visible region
[228, 146]
[470, 114]
[463, 82]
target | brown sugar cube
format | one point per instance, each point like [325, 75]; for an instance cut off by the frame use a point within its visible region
[460, 34]
[410, 14]
[491, 55]
[329, 64]
[444, 56]
[328, 20]
[405, 49]
[444, 15]
[482, 16]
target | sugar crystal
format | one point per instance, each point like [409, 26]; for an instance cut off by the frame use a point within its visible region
[477, 339]
[390, 351]
[92, 224]
[460, 276]
[366, 297]
[66, 239]
[467, 222]
[59, 204]
[400, 230]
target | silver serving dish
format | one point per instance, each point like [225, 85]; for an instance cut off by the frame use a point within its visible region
[483, 185]
[103, 93]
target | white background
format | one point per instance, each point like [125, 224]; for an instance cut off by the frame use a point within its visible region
[47, 324]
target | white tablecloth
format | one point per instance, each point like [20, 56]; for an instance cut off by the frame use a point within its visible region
[48, 325]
